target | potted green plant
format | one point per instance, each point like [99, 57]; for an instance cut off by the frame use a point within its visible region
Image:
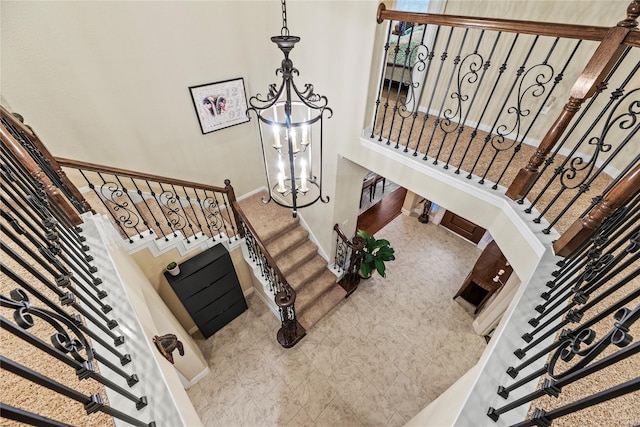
[376, 253]
[173, 268]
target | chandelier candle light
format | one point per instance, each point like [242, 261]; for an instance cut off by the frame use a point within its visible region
[294, 117]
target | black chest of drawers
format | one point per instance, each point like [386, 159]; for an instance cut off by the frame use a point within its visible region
[209, 289]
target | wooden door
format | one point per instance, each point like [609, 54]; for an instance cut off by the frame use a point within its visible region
[461, 226]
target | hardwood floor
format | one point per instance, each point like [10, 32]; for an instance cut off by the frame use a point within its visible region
[383, 212]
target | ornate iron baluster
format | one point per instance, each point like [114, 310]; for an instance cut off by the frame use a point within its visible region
[576, 123]
[144, 200]
[538, 89]
[167, 199]
[444, 120]
[576, 173]
[403, 99]
[429, 58]
[503, 130]
[443, 58]
[380, 88]
[421, 57]
[476, 62]
[501, 71]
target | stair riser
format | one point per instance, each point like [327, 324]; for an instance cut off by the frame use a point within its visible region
[291, 264]
[281, 248]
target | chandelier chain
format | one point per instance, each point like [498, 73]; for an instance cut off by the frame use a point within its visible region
[284, 31]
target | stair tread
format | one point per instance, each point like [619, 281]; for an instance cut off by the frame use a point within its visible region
[267, 219]
[321, 307]
[300, 277]
[297, 258]
[290, 260]
[288, 240]
[314, 290]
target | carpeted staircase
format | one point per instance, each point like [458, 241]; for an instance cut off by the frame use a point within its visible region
[285, 239]
[297, 257]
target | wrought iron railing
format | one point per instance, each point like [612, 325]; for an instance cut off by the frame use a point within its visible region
[43, 158]
[144, 205]
[57, 329]
[347, 259]
[591, 306]
[473, 95]
[140, 205]
[291, 332]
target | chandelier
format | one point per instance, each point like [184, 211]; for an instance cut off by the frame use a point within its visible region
[290, 123]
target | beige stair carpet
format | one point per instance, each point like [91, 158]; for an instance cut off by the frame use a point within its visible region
[297, 258]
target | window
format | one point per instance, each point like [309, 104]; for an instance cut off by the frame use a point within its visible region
[413, 5]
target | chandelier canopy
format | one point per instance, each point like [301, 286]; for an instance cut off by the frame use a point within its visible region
[290, 122]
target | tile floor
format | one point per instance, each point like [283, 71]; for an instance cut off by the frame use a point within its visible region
[376, 360]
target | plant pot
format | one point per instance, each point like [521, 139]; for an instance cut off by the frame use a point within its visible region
[363, 277]
[174, 271]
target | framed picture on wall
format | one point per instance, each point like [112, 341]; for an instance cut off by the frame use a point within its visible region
[220, 105]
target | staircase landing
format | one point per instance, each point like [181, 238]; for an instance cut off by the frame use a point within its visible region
[296, 256]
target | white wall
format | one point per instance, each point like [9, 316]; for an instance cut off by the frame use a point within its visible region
[107, 82]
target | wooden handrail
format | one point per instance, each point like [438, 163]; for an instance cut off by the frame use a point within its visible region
[602, 61]
[93, 167]
[571, 31]
[272, 262]
[583, 228]
[633, 39]
[52, 191]
[33, 137]
[353, 245]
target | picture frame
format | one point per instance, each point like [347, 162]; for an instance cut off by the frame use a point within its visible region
[220, 105]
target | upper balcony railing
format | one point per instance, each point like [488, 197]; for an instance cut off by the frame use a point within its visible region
[482, 98]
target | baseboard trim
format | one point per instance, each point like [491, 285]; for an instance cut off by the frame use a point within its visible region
[188, 384]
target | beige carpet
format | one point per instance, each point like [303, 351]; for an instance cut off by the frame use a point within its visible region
[485, 159]
[25, 394]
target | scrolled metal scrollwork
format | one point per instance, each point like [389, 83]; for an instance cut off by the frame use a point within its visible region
[308, 96]
[595, 267]
[474, 62]
[171, 204]
[422, 54]
[341, 255]
[574, 344]
[67, 336]
[211, 209]
[543, 75]
[577, 171]
[111, 193]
